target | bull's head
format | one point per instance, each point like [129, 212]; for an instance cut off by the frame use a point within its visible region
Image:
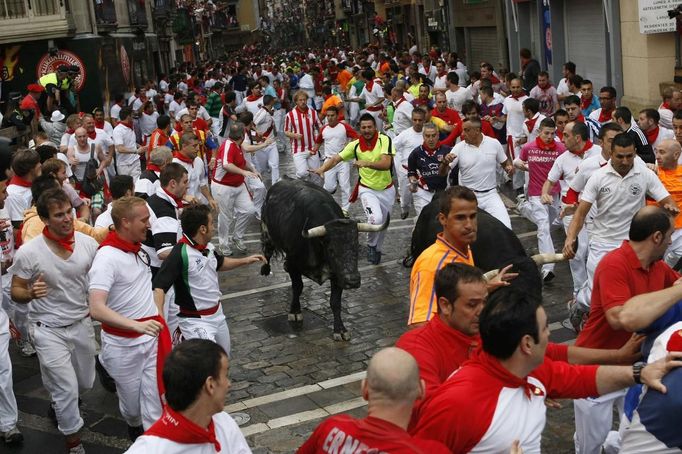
[340, 238]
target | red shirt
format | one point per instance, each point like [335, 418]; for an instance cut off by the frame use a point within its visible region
[450, 116]
[233, 155]
[29, 103]
[619, 277]
[366, 435]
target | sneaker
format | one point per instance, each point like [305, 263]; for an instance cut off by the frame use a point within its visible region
[105, 379]
[25, 348]
[239, 245]
[346, 214]
[547, 276]
[577, 315]
[78, 449]
[373, 256]
[12, 436]
[225, 251]
[134, 432]
[404, 213]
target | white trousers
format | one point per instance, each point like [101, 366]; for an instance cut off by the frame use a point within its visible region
[377, 206]
[421, 199]
[216, 125]
[674, 252]
[406, 197]
[596, 251]
[543, 216]
[235, 206]
[578, 264]
[593, 422]
[129, 169]
[268, 158]
[17, 313]
[492, 203]
[133, 368]
[258, 192]
[279, 116]
[67, 367]
[339, 174]
[214, 328]
[8, 403]
[305, 161]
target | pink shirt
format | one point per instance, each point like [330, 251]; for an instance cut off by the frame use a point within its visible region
[540, 158]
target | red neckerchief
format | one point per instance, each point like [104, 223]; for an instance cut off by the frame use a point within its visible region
[252, 98]
[429, 151]
[560, 135]
[18, 181]
[99, 124]
[665, 105]
[580, 118]
[400, 101]
[65, 243]
[304, 111]
[442, 73]
[181, 157]
[186, 240]
[585, 102]
[128, 124]
[153, 167]
[517, 97]
[368, 146]
[588, 145]
[114, 240]
[494, 79]
[545, 146]
[92, 135]
[178, 201]
[493, 367]
[369, 85]
[69, 131]
[530, 124]
[652, 136]
[605, 115]
[175, 427]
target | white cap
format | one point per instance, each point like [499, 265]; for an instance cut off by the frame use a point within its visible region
[57, 116]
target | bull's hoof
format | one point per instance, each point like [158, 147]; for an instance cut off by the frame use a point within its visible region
[342, 336]
[295, 317]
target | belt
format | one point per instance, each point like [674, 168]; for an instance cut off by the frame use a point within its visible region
[375, 108]
[389, 185]
[199, 313]
[484, 191]
[41, 324]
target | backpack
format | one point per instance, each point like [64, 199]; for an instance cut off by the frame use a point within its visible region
[91, 183]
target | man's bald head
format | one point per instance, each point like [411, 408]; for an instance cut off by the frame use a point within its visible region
[393, 375]
[667, 153]
[649, 221]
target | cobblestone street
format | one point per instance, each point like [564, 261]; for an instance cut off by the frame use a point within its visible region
[285, 381]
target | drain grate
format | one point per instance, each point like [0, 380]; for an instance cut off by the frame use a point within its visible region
[240, 418]
[279, 325]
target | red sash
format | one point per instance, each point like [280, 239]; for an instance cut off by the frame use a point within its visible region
[164, 347]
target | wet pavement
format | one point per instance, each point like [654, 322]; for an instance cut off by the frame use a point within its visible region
[285, 380]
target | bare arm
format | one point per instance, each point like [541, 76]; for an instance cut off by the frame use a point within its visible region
[23, 290]
[613, 378]
[230, 263]
[159, 299]
[627, 354]
[642, 310]
[575, 227]
[546, 187]
[100, 312]
[328, 164]
[383, 164]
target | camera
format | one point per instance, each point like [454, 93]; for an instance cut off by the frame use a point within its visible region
[674, 13]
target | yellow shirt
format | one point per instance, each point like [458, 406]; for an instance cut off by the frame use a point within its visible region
[373, 179]
[423, 302]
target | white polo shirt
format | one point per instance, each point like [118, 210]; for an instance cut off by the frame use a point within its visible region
[618, 199]
[457, 98]
[478, 165]
[128, 280]
[196, 175]
[407, 141]
[125, 136]
[18, 200]
[402, 116]
[513, 109]
[565, 167]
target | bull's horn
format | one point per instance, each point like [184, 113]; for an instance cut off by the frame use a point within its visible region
[490, 275]
[364, 227]
[541, 259]
[315, 232]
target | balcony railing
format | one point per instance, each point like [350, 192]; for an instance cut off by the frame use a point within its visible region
[105, 12]
[137, 12]
[26, 9]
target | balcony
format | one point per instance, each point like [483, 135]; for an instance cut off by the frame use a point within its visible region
[226, 20]
[105, 15]
[162, 9]
[27, 20]
[137, 13]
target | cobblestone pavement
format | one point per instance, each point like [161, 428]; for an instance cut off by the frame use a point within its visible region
[285, 381]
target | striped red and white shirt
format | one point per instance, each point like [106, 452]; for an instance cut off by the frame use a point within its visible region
[305, 123]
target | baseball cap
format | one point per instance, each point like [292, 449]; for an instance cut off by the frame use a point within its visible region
[35, 88]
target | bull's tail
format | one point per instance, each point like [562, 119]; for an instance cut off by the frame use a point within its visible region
[268, 249]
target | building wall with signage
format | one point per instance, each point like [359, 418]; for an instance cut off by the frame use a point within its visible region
[477, 32]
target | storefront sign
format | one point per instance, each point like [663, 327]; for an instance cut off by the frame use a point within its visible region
[125, 64]
[653, 16]
[50, 62]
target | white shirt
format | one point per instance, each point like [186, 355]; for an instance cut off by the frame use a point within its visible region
[263, 121]
[513, 109]
[663, 134]
[114, 111]
[250, 106]
[457, 98]
[307, 84]
[102, 139]
[334, 138]
[407, 141]
[125, 136]
[566, 165]
[174, 108]
[562, 88]
[163, 85]
[478, 165]
[104, 219]
[666, 115]
[531, 135]
[148, 124]
[182, 86]
[197, 177]
[402, 116]
[128, 282]
[67, 279]
[201, 113]
[18, 200]
[374, 95]
[618, 199]
[441, 82]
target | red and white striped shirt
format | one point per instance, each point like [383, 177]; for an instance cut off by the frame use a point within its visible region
[305, 123]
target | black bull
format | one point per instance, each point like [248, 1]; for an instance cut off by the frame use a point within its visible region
[495, 247]
[302, 222]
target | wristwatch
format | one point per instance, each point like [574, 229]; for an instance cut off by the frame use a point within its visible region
[637, 372]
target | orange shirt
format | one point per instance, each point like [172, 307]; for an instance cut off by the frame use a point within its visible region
[423, 303]
[672, 180]
[333, 100]
[343, 78]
